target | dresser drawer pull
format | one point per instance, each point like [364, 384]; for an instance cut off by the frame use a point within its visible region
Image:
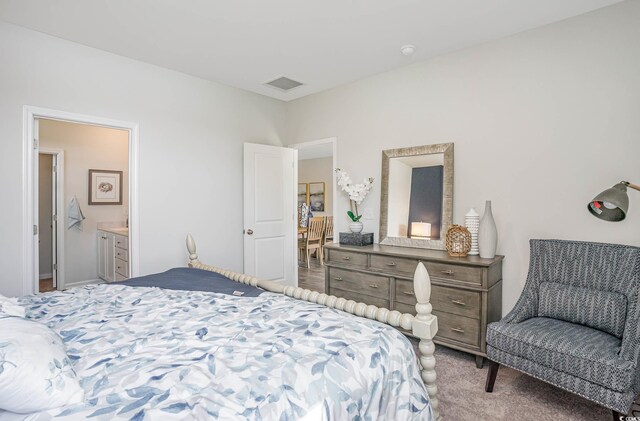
[447, 272]
[408, 292]
[373, 285]
[457, 329]
[391, 264]
[346, 258]
[458, 302]
[337, 278]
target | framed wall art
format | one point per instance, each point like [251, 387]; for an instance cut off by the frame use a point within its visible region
[303, 193]
[317, 196]
[105, 187]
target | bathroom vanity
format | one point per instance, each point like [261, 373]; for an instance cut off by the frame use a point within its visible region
[113, 254]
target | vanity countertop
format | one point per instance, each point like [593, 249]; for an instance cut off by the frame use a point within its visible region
[117, 230]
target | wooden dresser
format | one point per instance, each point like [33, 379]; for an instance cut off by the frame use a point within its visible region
[466, 291]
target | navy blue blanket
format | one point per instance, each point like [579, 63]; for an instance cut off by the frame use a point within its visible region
[189, 279]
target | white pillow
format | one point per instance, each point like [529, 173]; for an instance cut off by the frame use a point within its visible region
[10, 307]
[35, 372]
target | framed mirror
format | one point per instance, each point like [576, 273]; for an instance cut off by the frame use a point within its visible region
[416, 204]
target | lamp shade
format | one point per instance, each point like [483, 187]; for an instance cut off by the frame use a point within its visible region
[420, 229]
[612, 204]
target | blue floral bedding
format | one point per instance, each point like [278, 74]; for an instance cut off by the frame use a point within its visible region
[155, 354]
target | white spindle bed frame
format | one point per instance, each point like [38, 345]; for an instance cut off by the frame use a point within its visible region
[423, 325]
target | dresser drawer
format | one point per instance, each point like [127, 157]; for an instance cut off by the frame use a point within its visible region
[122, 242]
[122, 254]
[347, 257]
[456, 301]
[392, 264]
[405, 308]
[361, 283]
[359, 298]
[457, 272]
[451, 326]
[450, 300]
[122, 267]
[458, 328]
[120, 277]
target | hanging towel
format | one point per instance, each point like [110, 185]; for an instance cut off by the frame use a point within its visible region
[74, 214]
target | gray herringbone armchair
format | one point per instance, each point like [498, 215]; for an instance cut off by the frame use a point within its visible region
[576, 324]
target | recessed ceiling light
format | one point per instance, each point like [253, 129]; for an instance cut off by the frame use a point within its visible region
[408, 49]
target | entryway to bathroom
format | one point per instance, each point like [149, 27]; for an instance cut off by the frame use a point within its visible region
[83, 204]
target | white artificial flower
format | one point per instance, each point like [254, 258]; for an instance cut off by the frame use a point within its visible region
[356, 192]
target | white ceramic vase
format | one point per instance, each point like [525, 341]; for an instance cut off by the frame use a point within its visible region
[487, 234]
[356, 227]
[472, 222]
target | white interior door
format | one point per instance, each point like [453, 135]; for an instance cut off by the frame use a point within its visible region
[36, 213]
[54, 219]
[270, 177]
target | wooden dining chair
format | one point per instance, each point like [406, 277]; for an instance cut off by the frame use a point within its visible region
[328, 230]
[313, 240]
[327, 235]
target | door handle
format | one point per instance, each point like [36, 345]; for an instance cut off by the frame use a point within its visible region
[249, 231]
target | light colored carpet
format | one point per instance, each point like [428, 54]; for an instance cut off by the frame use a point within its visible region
[515, 396]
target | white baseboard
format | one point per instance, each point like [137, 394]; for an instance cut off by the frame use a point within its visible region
[83, 283]
[46, 275]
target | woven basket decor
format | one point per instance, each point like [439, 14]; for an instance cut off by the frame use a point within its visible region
[458, 241]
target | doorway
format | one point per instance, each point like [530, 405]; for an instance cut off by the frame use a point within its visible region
[75, 191]
[50, 196]
[317, 206]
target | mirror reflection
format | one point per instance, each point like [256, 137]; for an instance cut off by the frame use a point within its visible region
[416, 196]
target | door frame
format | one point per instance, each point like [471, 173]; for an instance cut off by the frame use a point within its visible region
[58, 162]
[334, 147]
[30, 281]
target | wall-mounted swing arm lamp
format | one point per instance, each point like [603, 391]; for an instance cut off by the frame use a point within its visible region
[612, 204]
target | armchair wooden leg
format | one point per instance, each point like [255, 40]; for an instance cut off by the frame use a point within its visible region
[491, 376]
[618, 416]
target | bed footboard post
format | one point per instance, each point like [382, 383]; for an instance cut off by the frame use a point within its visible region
[425, 327]
[191, 246]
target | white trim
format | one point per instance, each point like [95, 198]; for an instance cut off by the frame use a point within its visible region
[88, 282]
[334, 142]
[60, 212]
[30, 114]
[45, 276]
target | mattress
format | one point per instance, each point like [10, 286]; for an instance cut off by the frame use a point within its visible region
[160, 354]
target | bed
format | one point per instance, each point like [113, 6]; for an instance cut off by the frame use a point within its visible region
[252, 350]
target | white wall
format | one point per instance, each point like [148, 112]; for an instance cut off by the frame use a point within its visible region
[541, 121]
[45, 212]
[191, 135]
[315, 170]
[87, 147]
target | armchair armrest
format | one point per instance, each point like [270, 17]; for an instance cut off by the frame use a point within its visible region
[525, 308]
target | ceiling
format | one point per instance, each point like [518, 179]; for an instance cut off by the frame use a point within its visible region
[322, 43]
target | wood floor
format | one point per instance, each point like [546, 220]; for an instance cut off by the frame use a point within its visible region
[46, 285]
[312, 278]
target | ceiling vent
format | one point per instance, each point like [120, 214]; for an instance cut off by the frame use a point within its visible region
[284, 84]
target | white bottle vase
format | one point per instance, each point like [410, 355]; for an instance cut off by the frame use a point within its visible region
[487, 234]
[472, 222]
